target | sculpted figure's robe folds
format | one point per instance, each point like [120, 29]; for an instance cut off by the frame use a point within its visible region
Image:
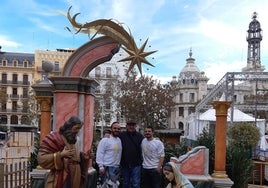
[64, 172]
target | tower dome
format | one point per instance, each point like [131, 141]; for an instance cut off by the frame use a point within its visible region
[190, 71]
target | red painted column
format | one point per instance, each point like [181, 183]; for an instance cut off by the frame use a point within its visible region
[221, 108]
[45, 123]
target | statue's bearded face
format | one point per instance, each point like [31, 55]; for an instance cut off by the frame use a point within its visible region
[70, 133]
[69, 136]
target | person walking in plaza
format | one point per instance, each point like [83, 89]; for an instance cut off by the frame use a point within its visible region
[153, 156]
[59, 151]
[131, 159]
[108, 155]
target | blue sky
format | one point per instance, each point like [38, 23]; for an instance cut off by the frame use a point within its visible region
[214, 29]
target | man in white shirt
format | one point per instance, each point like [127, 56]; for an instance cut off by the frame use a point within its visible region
[153, 156]
[109, 154]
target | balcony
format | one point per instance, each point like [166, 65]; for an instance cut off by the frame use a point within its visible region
[18, 83]
[24, 96]
[14, 96]
[14, 111]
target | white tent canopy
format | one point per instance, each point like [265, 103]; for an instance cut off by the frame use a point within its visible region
[198, 122]
[238, 116]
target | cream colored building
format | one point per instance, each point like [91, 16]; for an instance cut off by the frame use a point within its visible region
[58, 58]
[16, 77]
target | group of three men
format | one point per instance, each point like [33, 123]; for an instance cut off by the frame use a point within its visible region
[59, 151]
[132, 154]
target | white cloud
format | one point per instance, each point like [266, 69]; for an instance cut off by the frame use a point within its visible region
[215, 71]
[6, 42]
[223, 33]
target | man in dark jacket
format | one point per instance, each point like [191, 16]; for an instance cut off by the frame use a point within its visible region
[131, 159]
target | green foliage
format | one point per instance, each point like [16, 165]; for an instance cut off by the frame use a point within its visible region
[175, 150]
[33, 159]
[241, 166]
[208, 140]
[242, 137]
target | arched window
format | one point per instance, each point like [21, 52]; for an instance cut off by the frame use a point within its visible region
[14, 119]
[25, 120]
[3, 119]
[181, 126]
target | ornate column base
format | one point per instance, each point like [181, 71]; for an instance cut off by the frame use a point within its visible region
[38, 177]
[219, 174]
[223, 183]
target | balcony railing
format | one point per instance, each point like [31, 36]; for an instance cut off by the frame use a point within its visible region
[18, 110]
[14, 96]
[12, 82]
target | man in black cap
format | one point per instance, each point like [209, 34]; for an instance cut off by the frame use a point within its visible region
[131, 159]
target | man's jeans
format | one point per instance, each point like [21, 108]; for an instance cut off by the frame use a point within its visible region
[112, 173]
[131, 177]
[151, 178]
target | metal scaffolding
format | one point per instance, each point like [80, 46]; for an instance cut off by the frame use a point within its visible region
[229, 83]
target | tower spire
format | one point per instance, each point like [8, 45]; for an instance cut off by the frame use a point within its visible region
[254, 37]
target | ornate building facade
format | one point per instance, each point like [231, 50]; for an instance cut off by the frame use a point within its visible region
[247, 90]
[16, 77]
[191, 86]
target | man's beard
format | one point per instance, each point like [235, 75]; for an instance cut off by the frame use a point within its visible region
[69, 136]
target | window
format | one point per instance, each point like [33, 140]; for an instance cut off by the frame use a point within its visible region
[15, 63]
[181, 111]
[25, 64]
[108, 91]
[25, 93]
[4, 78]
[3, 135]
[14, 106]
[108, 72]
[107, 118]
[4, 107]
[57, 66]
[191, 97]
[181, 97]
[107, 105]
[25, 120]
[25, 79]
[97, 72]
[14, 119]
[14, 91]
[15, 79]
[4, 63]
[235, 98]
[3, 119]
[181, 127]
